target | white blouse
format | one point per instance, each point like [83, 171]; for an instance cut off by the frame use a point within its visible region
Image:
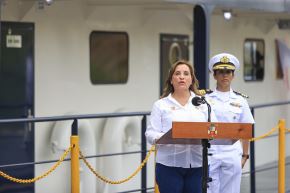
[164, 112]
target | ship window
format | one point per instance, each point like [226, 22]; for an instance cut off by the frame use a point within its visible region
[109, 57]
[254, 54]
[282, 55]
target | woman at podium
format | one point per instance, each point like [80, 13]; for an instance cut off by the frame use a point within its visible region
[178, 167]
[229, 106]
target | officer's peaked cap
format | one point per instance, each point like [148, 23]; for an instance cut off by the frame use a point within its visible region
[223, 61]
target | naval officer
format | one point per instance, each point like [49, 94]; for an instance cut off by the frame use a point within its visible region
[230, 106]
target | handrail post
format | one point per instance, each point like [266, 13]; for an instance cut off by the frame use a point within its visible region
[281, 167]
[143, 155]
[252, 159]
[75, 165]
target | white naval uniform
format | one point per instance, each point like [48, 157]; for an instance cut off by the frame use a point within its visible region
[225, 168]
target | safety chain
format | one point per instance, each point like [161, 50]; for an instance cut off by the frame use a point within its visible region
[152, 149]
[27, 181]
[265, 135]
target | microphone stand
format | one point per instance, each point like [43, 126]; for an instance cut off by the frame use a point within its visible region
[205, 145]
[196, 101]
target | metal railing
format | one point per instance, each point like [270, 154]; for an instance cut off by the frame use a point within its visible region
[252, 144]
[75, 118]
[143, 151]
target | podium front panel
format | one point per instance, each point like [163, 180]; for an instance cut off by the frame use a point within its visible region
[207, 130]
[167, 139]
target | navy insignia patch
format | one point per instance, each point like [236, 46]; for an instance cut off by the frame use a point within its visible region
[205, 91]
[225, 60]
[236, 104]
[241, 94]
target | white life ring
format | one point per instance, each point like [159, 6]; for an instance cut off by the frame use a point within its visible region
[60, 141]
[121, 134]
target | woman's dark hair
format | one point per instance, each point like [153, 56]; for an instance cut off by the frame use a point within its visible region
[169, 87]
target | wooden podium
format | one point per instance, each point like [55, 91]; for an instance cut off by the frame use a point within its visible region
[193, 132]
[206, 134]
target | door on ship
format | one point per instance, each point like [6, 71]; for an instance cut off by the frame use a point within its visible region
[173, 47]
[16, 101]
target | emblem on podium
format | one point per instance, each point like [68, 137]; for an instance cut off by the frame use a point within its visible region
[212, 131]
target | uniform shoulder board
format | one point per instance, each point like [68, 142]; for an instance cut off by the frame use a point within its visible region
[243, 95]
[205, 91]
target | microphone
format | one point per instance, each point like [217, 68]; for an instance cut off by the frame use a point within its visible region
[196, 101]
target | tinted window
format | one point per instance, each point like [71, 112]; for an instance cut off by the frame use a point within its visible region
[254, 65]
[109, 57]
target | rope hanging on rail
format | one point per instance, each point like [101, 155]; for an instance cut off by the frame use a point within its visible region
[265, 135]
[105, 179]
[32, 180]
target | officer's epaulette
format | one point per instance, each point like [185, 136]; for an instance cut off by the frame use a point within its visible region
[205, 91]
[243, 95]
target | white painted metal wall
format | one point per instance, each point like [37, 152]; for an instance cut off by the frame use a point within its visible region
[62, 82]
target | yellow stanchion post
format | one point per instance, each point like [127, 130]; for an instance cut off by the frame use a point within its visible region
[281, 167]
[75, 165]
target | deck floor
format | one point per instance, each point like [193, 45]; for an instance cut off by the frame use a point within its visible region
[267, 180]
